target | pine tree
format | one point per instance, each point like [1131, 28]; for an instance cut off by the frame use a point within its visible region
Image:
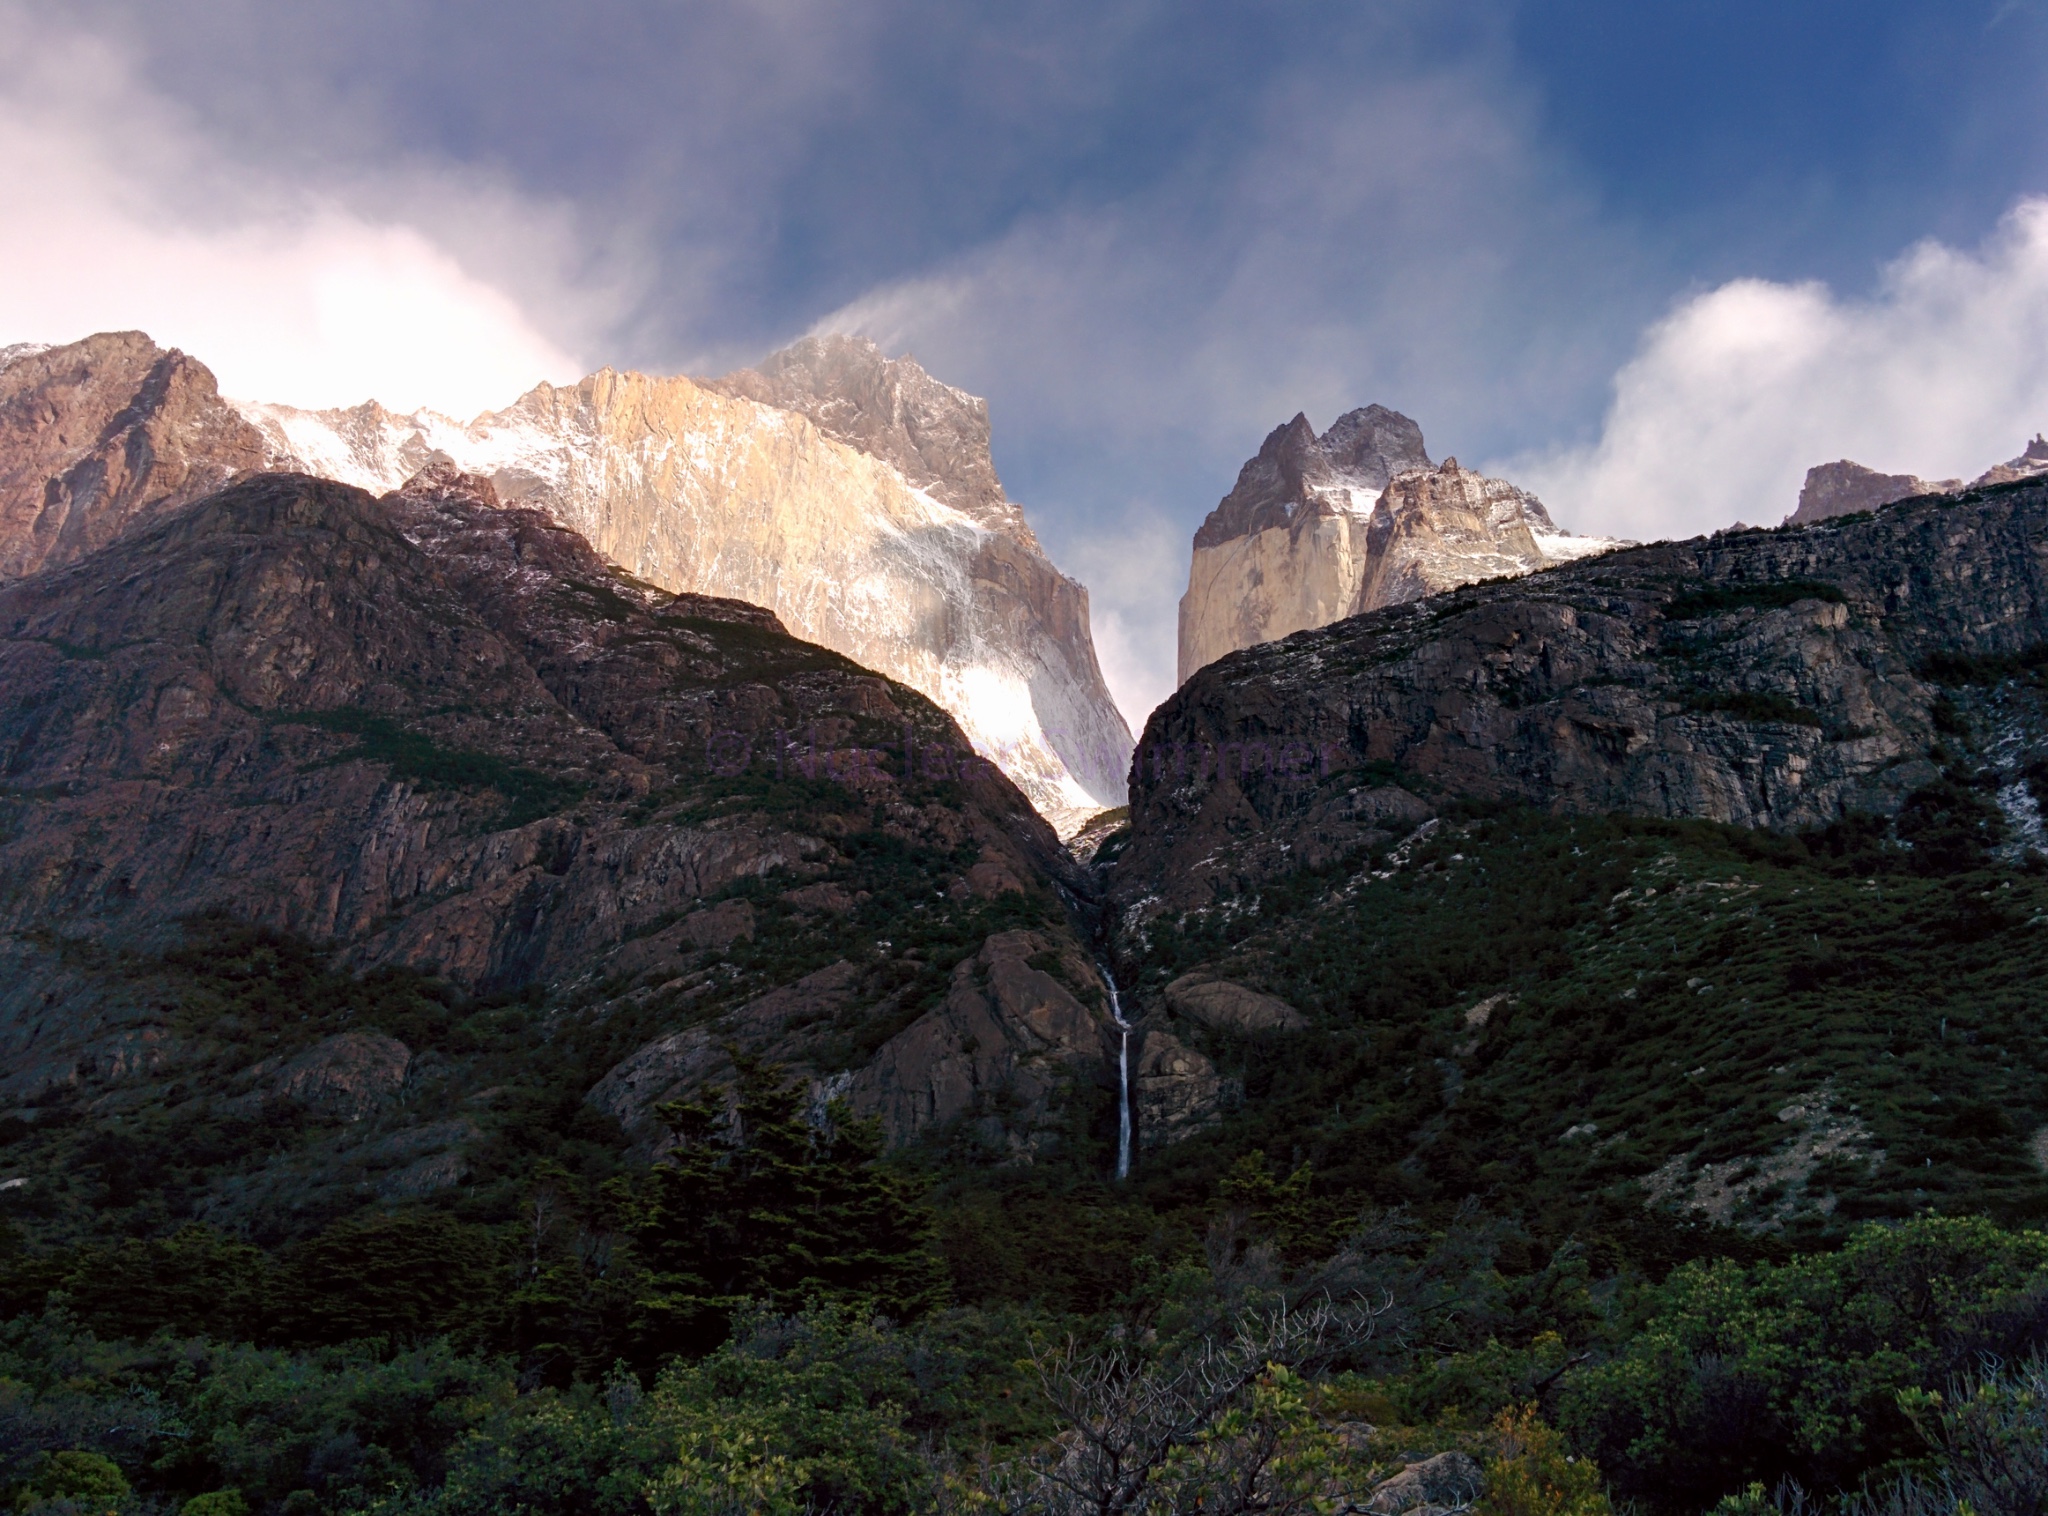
[771, 1199]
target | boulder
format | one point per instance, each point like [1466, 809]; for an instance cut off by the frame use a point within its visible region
[1175, 1090]
[1448, 1482]
[1223, 1005]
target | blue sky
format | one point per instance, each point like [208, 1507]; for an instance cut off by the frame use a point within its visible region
[1651, 257]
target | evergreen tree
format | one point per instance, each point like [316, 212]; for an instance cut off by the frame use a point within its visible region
[769, 1197]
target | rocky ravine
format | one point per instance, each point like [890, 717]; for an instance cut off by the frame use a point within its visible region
[1763, 678]
[442, 734]
[851, 494]
[1320, 528]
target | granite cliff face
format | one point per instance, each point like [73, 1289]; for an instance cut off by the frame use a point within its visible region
[852, 495]
[1763, 678]
[1320, 528]
[443, 735]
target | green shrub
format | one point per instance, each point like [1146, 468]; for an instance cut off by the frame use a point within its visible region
[1796, 1369]
[528, 793]
[195, 1281]
[216, 1503]
[406, 1276]
[89, 1483]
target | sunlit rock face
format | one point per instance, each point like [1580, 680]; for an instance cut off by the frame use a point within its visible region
[1320, 528]
[851, 494]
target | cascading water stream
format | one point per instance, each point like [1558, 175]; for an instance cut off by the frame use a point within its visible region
[1123, 1076]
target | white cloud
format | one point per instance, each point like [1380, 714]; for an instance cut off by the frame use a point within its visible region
[1941, 372]
[1394, 235]
[1136, 566]
[120, 214]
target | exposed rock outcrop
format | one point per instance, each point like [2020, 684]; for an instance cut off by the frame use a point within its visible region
[1175, 1089]
[1320, 528]
[1844, 488]
[1448, 1482]
[101, 433]
[993, 1056]
[1221, 1005]
[350, 1075]
[1763, 678]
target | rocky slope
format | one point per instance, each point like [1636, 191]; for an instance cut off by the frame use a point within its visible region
[1763, 678]
[444, 737]
[1699, 882]
[852, 495]
[1320, 528]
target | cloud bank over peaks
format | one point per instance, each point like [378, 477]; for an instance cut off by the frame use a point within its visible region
[1941, 371]
[121, 214]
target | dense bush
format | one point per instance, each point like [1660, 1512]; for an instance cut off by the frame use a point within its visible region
[1797, 1370]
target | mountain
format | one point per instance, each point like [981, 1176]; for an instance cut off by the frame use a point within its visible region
[101, 433]
[386, 826]
[1760, 678]
[1703, 878]
[1320, 528]
[2032, 462]
[851, 494]
[1844, 488]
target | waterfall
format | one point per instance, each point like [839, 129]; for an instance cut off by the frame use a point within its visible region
[1123, 1076]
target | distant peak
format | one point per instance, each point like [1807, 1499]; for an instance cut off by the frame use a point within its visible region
[1363, 449]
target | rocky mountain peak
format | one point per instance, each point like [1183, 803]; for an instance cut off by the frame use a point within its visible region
[2032, 461]
[96, 433]
[1843, 488]
[442, 480]
[1361, 451]
[1320, 528]
[1373, 444]
[936, 436]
